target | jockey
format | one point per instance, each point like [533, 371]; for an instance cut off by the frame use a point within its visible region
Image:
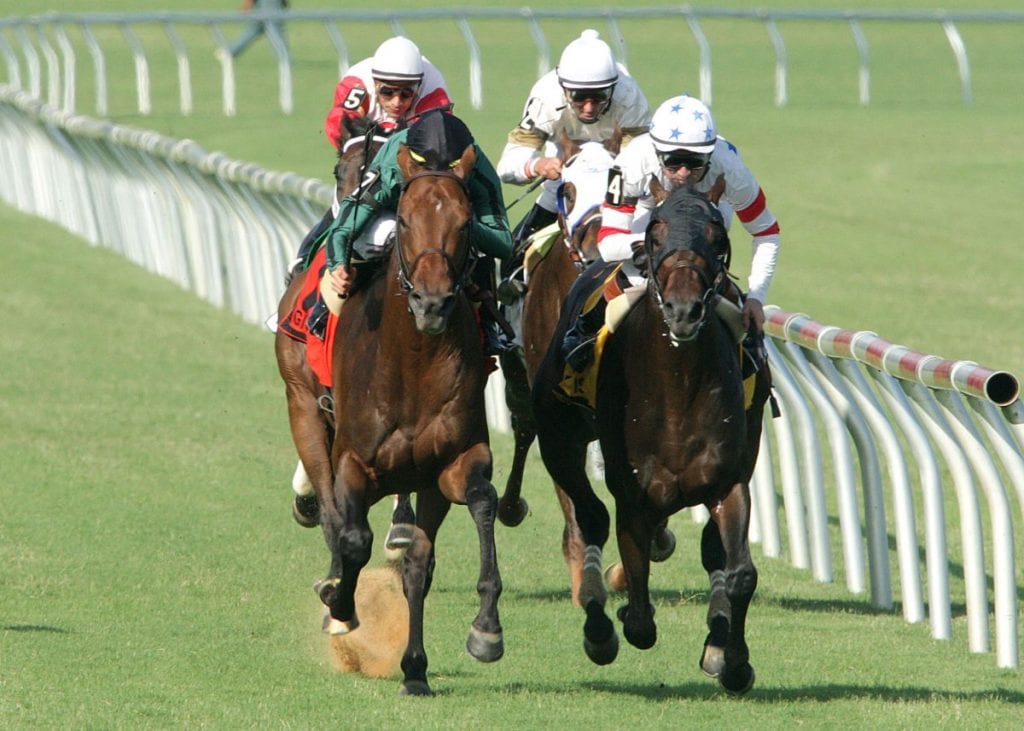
[588, 97]
[440, 138]
[682, 148]
[394, 85]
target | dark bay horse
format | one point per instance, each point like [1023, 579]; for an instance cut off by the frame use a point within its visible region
[408, 380]
[584, 182]
[308, 400]
[674, 432]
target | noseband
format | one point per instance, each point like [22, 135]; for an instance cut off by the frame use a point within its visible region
[460, 268]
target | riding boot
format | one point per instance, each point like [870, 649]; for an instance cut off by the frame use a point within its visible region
[307, 247]
[316, 322]
[513, 276]
[495, 339]
[579, 340]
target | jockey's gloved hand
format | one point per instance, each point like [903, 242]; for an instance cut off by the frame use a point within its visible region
[639, 255]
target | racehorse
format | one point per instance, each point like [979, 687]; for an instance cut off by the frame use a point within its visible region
[409, 408]
[308, 414]
[674, 432]
[585, 177]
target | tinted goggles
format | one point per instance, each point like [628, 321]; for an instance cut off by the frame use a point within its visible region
[405, 93]
[597, 96]
[684, 159]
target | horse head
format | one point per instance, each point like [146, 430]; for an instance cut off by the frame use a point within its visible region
[358, 143]
[432, 237]
[584, 183]
[686, 246]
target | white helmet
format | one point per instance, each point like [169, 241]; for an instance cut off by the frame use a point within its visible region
[683, 123]
[397, 59]
[587, 63]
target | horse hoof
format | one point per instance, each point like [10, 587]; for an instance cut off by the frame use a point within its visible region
[600, 641]
[399, 536]
[602, 653]
[512, 514]
[485, 646]
[398, 540]
[337, 628]
[415, 687]
[663, 545]
[306, 511]
[737, 682]
[712, 661]
[641, 635]
[615, 577]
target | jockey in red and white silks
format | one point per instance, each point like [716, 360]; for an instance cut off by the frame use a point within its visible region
[410, 84]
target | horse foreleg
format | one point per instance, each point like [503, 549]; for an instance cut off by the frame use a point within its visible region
[512, 507]
[350, 541]
[417, 573]
[726, 556]
[472, 469]
[637, 616]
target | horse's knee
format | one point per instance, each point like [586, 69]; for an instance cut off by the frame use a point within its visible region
[741, 583]
[355, 545]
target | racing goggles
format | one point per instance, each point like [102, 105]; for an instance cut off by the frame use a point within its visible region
[675, 159]
[597, 96]
[405, 93]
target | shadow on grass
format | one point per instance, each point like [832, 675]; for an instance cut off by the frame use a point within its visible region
[809, 693]
[34, 628]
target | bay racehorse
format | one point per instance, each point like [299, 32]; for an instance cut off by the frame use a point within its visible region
[309, 413]
[672, 425]
[584, 179]
[584, 182]
[408, 380]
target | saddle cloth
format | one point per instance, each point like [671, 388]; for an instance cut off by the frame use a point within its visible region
[318, 352]
[581, 388]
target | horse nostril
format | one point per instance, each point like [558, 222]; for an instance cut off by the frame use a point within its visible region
[696, 312]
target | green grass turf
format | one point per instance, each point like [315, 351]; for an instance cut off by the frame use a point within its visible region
[150, 575]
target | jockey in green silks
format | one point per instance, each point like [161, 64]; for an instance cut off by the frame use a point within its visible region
[436, 139]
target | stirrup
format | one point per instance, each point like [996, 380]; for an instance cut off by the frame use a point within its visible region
[512, 289]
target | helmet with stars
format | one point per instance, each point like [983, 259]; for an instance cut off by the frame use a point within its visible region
[683, 123]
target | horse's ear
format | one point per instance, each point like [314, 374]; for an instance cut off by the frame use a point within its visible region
[465, 164]
[715, 194]
[658, 190]
[614, 143]
[406, 164]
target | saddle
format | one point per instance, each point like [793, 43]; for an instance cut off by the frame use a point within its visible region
[539, 245]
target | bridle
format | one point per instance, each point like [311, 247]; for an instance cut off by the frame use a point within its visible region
[463, 267]
[712, 274]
